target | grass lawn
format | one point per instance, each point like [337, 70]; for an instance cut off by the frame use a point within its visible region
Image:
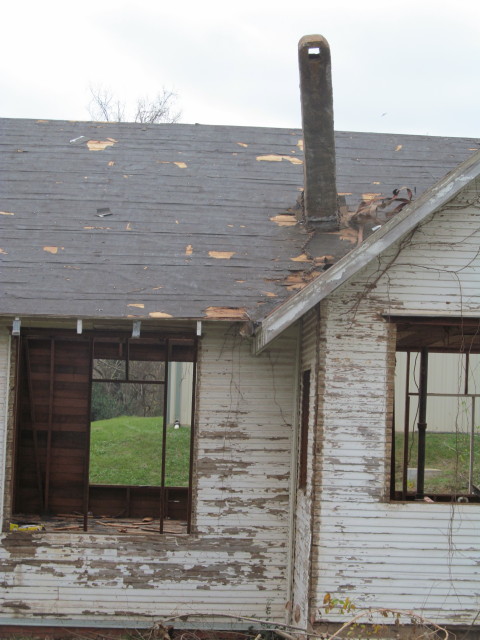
[448, 452]
[128, 450]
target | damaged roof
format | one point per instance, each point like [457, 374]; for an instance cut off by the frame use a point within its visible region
[117, 220]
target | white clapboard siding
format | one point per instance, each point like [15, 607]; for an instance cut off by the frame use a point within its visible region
[416, 556]
[303, 507]
[236, 560]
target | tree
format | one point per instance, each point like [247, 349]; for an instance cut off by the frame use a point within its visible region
[106, 107]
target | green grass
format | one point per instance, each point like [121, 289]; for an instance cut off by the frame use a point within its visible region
[448, 452]
[128, 450]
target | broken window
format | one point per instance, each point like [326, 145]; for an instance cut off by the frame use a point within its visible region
[105, 431]
[436, 425]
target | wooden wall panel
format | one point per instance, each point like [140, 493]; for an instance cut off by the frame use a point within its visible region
[53, 426]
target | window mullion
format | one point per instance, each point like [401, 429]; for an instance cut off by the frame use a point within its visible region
[164, 432]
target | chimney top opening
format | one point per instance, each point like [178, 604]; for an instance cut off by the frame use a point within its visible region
[313, 52]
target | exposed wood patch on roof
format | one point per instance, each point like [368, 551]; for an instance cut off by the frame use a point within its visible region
[276, 158]
[53, 250]
[221, 255]
[100, 145]
[179, 164]
[284, 220]
[226, 313]
[159, 314]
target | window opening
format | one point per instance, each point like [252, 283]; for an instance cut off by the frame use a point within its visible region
[436, 425]
[105, 432]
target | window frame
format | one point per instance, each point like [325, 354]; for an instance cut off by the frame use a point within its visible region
[183, 346]
[465, 334]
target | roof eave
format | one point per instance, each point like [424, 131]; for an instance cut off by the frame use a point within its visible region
[396, 228]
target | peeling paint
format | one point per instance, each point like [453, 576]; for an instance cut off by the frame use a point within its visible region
[139, 305]
[6, 213]
[398, 147]
[269, 294]
[284, 220]
[226, 312]
[300, 144]
[242, 144]
[221, 255]
[128, 227]
[159, 314]
[370, 196]
[277, 158]
[3, 251]
[100, 145]
[181, 165]
[188, 250]
[97, 228]
[111, 163]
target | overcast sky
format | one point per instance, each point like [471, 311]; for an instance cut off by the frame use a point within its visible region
[401, 67]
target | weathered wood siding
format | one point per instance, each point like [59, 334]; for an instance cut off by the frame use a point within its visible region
[5, 460]
[304, 497]
[417, 556]
[236, 560]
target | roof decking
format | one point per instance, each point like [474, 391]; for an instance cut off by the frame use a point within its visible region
[200, 220]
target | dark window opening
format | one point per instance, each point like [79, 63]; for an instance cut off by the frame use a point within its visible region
[104, 432]
[304, 422]
[436, 421]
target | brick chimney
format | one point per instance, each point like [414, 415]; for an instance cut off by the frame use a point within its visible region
[320, 191]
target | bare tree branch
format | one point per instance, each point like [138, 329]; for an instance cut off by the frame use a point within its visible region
[104, 106]
[160, 109]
